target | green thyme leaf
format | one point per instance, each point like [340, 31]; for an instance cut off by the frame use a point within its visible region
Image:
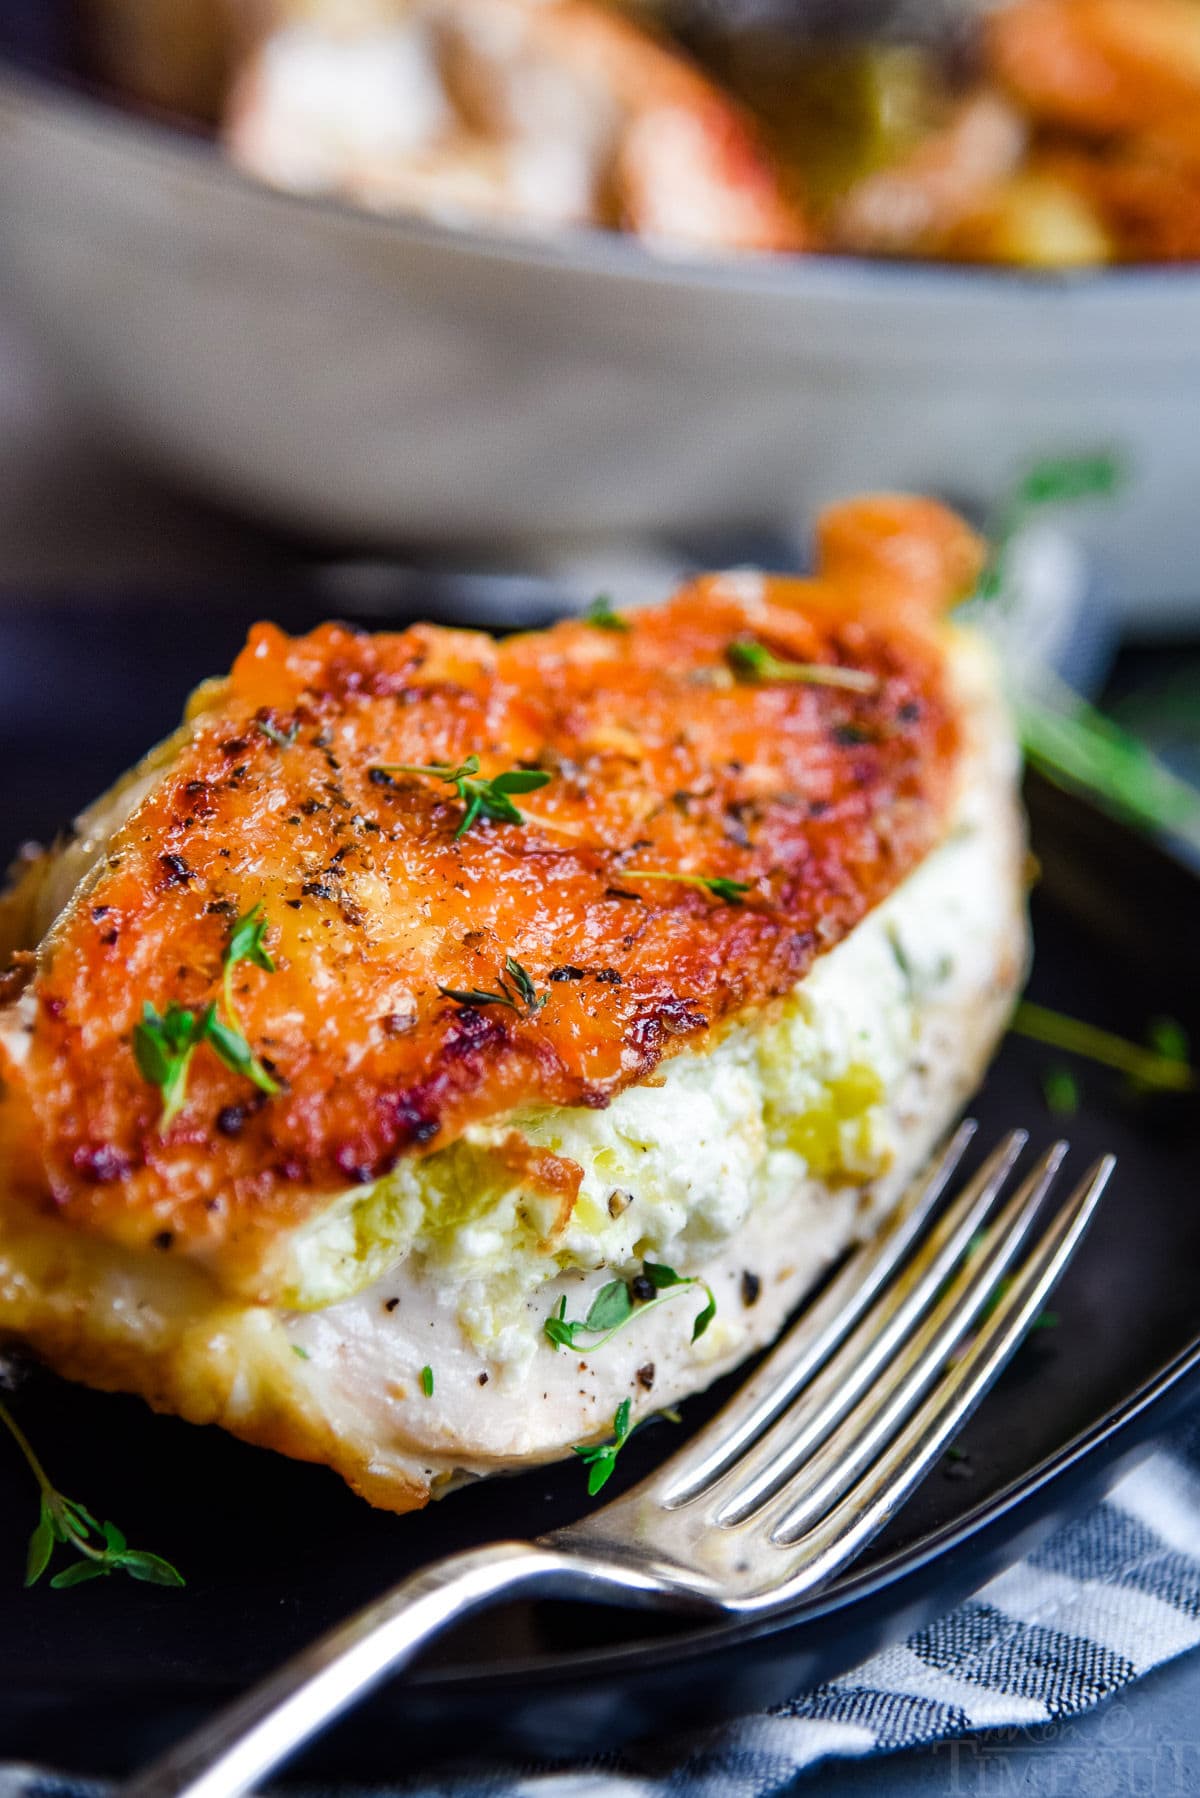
[1161, 1073]
[1054, 481]
[41, 1546]
[1066, 739]
[476, 995]
[733, 892]
[248, 941]
[600, 614]
[1060, 1089]
[282, 739]
[1063, 480]
[752, 661]
[114, 1539]
[102, 1547]
[616, 1304]
[526, 991]
[163, 1046]
[611, 1307]
[481, 798]
[76, 1574]
[705, 1317]
[557, 1330]
[427, 1381]
[1168, 1038]
[601, 1457]
[233, 1049]
[77, 1514]
[1076, 746]
[661, 1277]
[151, 1569]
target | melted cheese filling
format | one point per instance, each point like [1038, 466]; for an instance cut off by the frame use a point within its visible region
[817, 1089]
[749, 1164]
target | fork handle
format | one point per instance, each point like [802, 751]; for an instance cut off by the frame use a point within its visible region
[250, 1738]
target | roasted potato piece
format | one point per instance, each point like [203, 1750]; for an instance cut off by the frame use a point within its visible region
[1034, 220]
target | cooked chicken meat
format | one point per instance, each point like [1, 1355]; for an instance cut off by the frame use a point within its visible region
[423, 985]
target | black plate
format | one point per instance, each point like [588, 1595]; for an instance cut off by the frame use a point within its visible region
[274, 1551]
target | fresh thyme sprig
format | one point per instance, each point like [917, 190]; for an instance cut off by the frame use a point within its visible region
[1150, 1068]
[1054, 481]
[477, 995]
[247, 942]
[64, 1520]
[526, 993]
[601, 1457]
[618, 1302]
[752, 661]
[163, 1046]
[481, 798]
[1072, 743]
[733, 892]
[1064, 737]
[233, 1049]
[601, 614]
[282, 739]
[164, 1043]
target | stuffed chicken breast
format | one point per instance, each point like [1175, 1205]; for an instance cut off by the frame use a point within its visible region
[440, 1040]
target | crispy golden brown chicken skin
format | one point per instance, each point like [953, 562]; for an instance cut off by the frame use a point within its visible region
[818, 798]
[704, 997]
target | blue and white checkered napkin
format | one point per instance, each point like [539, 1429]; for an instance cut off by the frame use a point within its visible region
[1105, 1599]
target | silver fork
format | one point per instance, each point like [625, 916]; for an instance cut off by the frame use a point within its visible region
[778, 1494]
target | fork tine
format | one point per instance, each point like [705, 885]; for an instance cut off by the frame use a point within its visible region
[851, 1358]
[823, 1326]
[813, 1489]
[862, 1513]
